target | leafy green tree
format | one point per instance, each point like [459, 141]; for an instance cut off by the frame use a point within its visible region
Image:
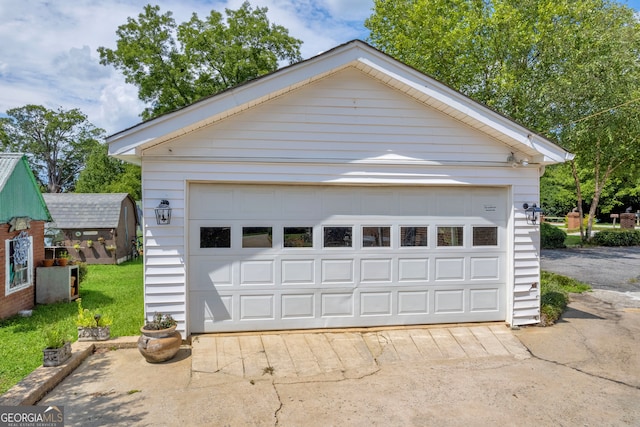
[175, 65]
[56, 142]
[558, 191]
[104, 174]
[566, 69]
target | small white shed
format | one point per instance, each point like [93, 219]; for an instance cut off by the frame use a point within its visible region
[346, 190]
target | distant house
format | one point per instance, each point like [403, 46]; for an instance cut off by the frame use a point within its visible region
[23, 214]
[93, 228]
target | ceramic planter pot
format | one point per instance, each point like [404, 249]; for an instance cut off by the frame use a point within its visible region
[56, 356]
[48, 262]
[159, 345]
[62, 261]
[102, 333]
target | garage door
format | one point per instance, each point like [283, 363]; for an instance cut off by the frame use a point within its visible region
[295, 257]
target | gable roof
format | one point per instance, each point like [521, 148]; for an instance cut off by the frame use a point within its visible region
[129, 144]
[19, 191]
[86, 210]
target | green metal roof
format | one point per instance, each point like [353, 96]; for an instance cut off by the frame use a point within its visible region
[19, 192]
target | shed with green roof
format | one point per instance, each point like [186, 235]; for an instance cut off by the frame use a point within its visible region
[23, 214]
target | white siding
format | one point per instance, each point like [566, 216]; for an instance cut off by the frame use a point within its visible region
[347, 129]
[348, 117]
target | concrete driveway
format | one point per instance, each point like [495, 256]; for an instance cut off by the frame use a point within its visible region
[469, 375]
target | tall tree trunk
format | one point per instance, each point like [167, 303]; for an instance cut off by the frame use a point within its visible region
[597, 192]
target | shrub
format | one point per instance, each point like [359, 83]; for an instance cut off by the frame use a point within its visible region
[617, 238]
[82, 271]
[551, 237]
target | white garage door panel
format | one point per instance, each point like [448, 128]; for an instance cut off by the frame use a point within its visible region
[298, 306]
[373, 281]
[298, 271]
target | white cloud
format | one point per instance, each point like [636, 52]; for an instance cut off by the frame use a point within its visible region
[49, 48]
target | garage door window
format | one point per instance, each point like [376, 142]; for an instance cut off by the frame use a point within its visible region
[256, 237]
[215, 237]
[485, 236]
[298, 237]
[376, 236]
[337, 237]
[450, 236]
[413, 236]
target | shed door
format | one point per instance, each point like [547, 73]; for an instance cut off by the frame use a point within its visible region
[265, 257]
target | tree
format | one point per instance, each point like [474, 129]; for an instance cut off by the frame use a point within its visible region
[175, 65]
[104, 174]
[568, 70]
[57, 143]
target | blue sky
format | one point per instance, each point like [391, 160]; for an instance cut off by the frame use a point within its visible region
[48, 48]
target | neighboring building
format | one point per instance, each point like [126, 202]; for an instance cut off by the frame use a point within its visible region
[96, 228]
[23, 215]
[346, 190]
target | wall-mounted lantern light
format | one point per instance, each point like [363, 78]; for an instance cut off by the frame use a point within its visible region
[532, 212]
[163, 213]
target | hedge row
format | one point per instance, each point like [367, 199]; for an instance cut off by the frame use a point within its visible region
[617, 238]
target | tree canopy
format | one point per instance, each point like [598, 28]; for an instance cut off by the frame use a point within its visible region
[175, 65]
[57, 143]
[566, 69]
[104, 174]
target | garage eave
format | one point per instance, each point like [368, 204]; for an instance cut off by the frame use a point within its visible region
[130, 144]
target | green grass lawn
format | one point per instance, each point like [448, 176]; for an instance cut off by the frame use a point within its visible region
[116, 290]
[572, 241]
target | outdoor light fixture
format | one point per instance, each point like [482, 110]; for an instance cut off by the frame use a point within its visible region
[163, 213]
[532, 212]
[511, 158]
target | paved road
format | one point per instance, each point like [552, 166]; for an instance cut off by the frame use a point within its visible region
[613, 269]
[614, 273]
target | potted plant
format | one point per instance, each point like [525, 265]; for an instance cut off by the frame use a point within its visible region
[92, 326]
[63, 258]
[111, 248]
[48, 262]
[101, 240]
[89, 243]
[57, 346]
[159, 341]
[77, 247]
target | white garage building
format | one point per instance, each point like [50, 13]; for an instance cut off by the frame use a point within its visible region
[345, 190]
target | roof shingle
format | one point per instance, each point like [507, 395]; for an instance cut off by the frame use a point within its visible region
[85, 210]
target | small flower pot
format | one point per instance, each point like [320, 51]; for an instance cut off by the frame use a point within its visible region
[102, 333]
[48, 262]
[56, 356]
[62, 261]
